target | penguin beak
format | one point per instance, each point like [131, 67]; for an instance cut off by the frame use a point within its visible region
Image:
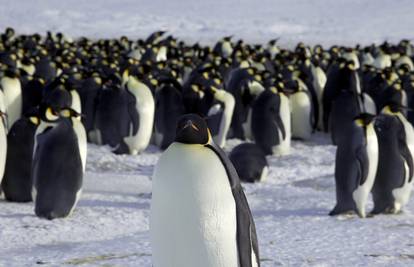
[189, 123]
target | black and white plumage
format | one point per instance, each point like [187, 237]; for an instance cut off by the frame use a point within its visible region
[215, 226]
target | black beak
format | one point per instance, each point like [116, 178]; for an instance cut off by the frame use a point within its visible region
[189, 123]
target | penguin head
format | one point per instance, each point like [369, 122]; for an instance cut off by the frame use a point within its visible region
[364, 119]
[69, 113]
[192, 129]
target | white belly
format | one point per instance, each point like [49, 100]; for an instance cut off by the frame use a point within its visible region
[284, 147]
[300, 116]
[76, 102]
[13, 99]
[193, 213]
[146, 107]
[402, 194]
[361, 195]
[82, 140]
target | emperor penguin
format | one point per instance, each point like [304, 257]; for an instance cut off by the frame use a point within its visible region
[145, 107]
[319, 81]
[17, 183]
[214, 227]
[271, 122]
[394, 180]
[300, 102]
[58, 163]
[219, 116]
[12, 90]
[3, 135]
[356, 166]
[168, 108]
[250, 162]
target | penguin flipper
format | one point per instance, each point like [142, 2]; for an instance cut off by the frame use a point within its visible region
[405, 153]
[363, 164]
[281, 126]
[213, 122]
[133, 114]
[246, 230]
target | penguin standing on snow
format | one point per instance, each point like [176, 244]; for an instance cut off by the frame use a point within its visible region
[145, 107]
[219, 116]
[301, 111]
[215, 227]
[168, 108]
[58, 163]
[356, 166]
[17, 183]
[250, 162]
[271, 122]
[394, 180]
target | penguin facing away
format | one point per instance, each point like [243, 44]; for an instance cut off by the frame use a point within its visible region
[356, 166]
[17, 183]
[215, 227]
[250, 162]
[394, 180]
[57, 167]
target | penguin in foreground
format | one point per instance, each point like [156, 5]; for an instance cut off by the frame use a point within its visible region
[214, 227]
[250, 162]
[356, 167]
[17, 183]
[58, 164]
[394, 180]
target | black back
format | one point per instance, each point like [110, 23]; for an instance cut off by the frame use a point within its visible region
[17, 183]
[266, 121]
[393, 152]
[56, 171]
[168, 108]
[249, 161]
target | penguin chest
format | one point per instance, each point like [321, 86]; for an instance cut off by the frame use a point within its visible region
[145, 107]
[361, 194]
[402, 194]
[193, 212]
[300, 115]
[13, 99]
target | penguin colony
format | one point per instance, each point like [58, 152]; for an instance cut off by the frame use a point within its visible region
[57, 94]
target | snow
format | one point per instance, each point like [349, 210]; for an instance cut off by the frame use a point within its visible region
[110, 224]
[318, 21]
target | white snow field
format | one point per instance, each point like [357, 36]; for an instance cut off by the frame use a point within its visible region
[110, 225]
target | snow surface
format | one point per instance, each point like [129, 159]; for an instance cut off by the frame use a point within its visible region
[318, 21]
[110, 225]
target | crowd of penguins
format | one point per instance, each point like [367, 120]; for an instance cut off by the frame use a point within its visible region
[57, 94]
